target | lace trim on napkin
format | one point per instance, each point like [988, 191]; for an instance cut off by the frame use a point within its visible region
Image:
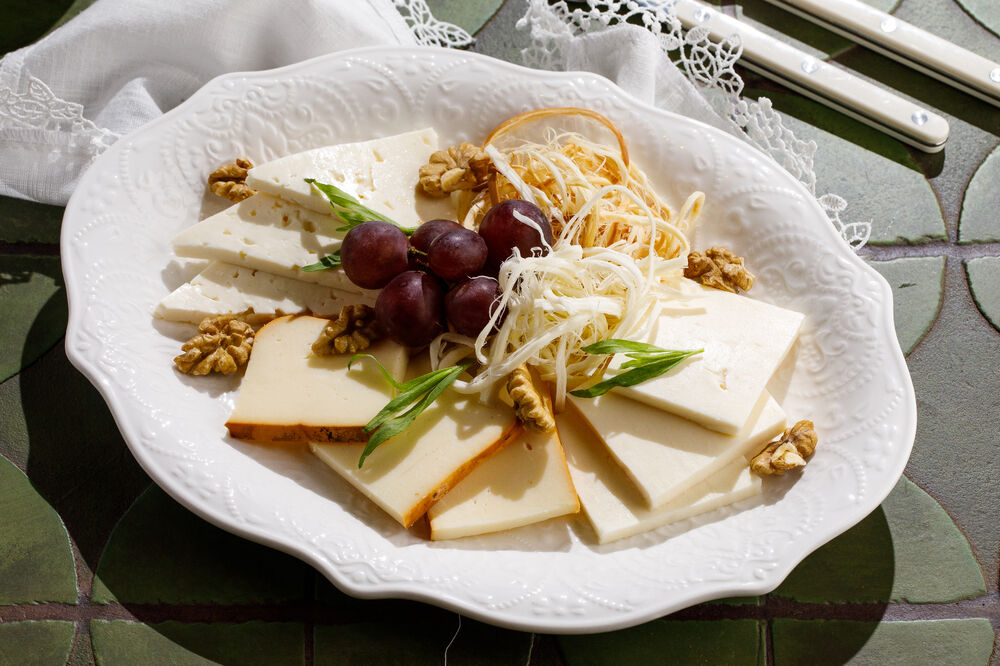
[708, 65]
[427, 30]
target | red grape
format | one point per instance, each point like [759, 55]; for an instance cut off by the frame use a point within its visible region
[428, 231]
[457, 254]
[373, 253]
[502, 231]
[410, 308]
[470, 305]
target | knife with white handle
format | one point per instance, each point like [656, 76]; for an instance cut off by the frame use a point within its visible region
[821, 81]
[903, 42]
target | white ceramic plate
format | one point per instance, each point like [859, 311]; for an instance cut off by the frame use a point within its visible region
[849, 375]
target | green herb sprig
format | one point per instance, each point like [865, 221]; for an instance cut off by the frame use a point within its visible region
[352, 213]
[416, 394]
[647, 361]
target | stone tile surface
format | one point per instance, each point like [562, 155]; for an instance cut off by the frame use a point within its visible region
[29, 222]
[36, 561]
[45, 643]
[984, 281]
[836, 642]
[917, 286]
[428, 639]
[854, 158]
[731, 642]
[468, 14]
[980, 221]
[33, 303]
[986, 12]
[162, 553]
[183, 644]
[907, 550]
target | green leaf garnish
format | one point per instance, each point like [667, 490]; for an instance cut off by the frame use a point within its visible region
[647, 361]
[416, 394]
[351, 211]
[329, 261]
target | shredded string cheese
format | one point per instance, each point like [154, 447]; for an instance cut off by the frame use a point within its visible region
[615, 266]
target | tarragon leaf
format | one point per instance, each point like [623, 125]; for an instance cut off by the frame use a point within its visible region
[647, 361]
[423, 391]
[351, 211]
[329, 261]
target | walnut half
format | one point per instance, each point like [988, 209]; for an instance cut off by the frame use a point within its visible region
[529, 404]
[230, 180]
[354, 330]
[223, 345]
[788, 451]
[719, 268]
[461, 167]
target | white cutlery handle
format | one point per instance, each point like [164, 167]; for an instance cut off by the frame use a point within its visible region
[904, 42]
[824, 82]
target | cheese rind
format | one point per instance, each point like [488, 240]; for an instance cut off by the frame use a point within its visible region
[744, 342]
[526, 482]
[223, 288]
[288, 394]
[381, 173]
[613, 506]
[266, 233]
[406, 474]
[665, 454]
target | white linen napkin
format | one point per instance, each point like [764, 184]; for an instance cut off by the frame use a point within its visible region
[122, 63]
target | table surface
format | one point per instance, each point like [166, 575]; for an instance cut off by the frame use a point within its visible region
[98, 564]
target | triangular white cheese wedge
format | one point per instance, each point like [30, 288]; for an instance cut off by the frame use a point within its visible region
[269, 234]
[665, 454]
[744, 342]
[381, 173]
[525, 483]
[222, 289]
[288, 394]
[406, 474]
[613, 506]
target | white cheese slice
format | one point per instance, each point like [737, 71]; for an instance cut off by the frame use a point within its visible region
[288, 394]
[525, 483]
[269, 234]
[223, 288]
[613, 506]
[381, 173]
[406, 474]
[744, 342]
[665, 454]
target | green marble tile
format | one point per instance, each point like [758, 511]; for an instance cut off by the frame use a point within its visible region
[122, 642]
[986, 12]
[852, 157]
[980, 221]
[731, 642]
[29, 222]
[907, 550]
[468, 14]
[947, 19]
[162, 553]
[821, 642]
[36, 560]
[419, 638]
[33, 303]
[954, 458]
[917, 286]
[57, 427]
[984, 280]
[35, 643]
[24, 21]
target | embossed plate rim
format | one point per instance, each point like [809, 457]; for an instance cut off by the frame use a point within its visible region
[83, 267]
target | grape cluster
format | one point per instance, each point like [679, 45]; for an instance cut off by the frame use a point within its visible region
[443, 272]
